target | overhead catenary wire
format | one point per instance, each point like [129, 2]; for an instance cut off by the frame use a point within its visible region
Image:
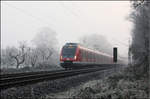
[50, 24]
[29, 14]
[75, 14]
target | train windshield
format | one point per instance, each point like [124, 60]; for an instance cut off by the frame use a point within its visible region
[69, 51]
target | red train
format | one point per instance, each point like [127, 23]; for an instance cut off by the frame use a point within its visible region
[74, 55]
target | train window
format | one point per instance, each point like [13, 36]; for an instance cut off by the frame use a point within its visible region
[68, 51]
[89, 55]
[81, 53]
[92, 56]
[102, 59]
[96, 58]
[84, 55]
[99, 60]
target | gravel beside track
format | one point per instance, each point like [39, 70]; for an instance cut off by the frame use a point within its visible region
[20, 79]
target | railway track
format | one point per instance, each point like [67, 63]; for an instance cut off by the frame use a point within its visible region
[21, 79]
[26, 73]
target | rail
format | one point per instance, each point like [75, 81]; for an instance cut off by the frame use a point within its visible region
[21, 79]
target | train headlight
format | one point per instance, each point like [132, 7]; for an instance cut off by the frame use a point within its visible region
[75, 57]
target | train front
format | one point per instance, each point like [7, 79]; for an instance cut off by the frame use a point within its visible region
[68, 55]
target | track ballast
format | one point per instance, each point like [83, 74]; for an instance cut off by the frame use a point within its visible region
[21, 79]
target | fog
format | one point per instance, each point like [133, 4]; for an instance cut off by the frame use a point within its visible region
[69, 19]
[96, 42]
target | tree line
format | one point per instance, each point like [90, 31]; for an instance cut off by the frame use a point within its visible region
[139, 48]
[42, 52]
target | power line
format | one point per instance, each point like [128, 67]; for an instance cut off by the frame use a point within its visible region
[29, 14]
[76, 15]
[64, 6]
[121, 42]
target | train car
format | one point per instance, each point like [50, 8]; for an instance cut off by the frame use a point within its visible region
[73, 55]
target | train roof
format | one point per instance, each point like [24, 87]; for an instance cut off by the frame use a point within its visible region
[88, 49]
[73, 44]
[95, 51]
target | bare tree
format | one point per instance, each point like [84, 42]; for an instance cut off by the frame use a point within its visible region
[19, 54]
[32, 56]
[6, 60]
[46, 43]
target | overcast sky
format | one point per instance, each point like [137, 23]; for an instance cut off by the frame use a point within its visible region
[71, 20]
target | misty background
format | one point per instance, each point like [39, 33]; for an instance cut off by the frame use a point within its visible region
[34, 32]
[69, 20]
